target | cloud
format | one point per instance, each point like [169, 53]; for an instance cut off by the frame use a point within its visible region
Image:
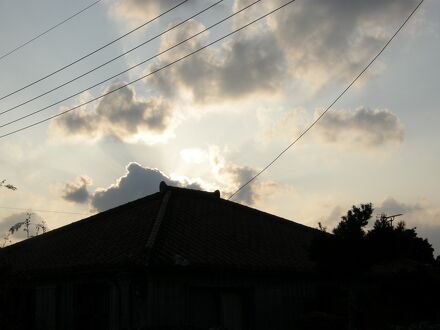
[241, 175]
[310, 42]
[119, 115]
[391, 206]
[367, 127]
[231, 177]
[193, 155]
[143, 10]
[137, 182]
[239, 68]
[326, 40]
[281, 124]
[77, 191]
[363, 127]
[304, 46]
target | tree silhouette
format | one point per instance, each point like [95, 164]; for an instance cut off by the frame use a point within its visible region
[388, 242]
[26, 224]
[9, 186]
[383, 276]
[352, 225]
[351, 248]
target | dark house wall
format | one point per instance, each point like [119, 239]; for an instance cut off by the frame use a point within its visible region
[182, 300]
[166, 301]
[237, 302]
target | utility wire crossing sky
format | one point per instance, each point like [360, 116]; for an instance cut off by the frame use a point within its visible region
[48, 30]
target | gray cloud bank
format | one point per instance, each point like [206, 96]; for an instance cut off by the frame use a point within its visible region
[77, 191]
[240, 67]
[369, 127]
[313, 41]
[308, 43]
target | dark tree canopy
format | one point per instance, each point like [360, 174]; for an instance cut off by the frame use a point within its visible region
[351, 248]
[352, 225]
[389, 242]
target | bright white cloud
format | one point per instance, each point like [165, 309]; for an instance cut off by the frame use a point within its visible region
[231, 177]
[137, 182]
[143, 10]
[193, 155]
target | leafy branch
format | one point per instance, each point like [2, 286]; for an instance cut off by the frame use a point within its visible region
[26, 225]
[9, 186]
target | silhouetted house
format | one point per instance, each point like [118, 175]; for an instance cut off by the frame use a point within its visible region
[177, 259]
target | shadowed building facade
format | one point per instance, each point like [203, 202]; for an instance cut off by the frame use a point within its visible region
[177, 259]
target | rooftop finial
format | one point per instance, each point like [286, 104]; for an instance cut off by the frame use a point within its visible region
[163, 186]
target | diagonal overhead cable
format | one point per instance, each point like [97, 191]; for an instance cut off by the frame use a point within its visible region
[331, 104]
[93, 52]
[45, 211]
[47, 31]
[111, 60]
[150, 73]
[130, 68]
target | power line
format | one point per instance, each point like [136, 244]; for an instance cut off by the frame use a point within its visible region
[126, 70]
[150, 73]
[44, 211]
[93, 52]
[111, 60]
[47, 31]
[331, 104]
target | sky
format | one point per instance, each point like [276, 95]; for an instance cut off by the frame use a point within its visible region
[214, 119]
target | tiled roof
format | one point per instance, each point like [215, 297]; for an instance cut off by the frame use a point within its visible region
[176, 227]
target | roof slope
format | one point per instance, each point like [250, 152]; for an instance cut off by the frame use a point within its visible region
[176, 227]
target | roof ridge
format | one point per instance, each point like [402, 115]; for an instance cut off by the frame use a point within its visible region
[157, 224]
[78, 223]
[273, 216]
[163, 187]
